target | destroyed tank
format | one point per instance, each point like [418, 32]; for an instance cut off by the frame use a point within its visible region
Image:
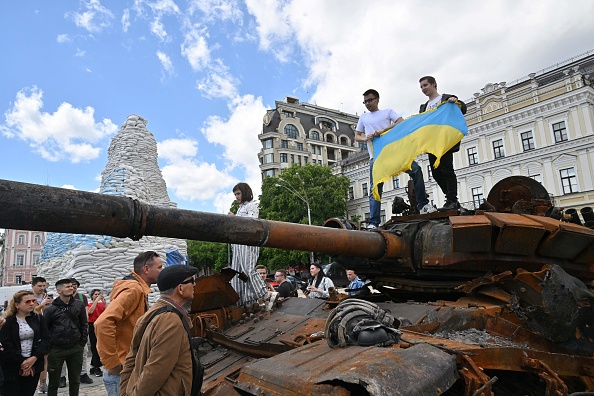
[495, 300]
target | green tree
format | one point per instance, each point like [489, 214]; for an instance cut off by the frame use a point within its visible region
[204, 255]
[281, 200]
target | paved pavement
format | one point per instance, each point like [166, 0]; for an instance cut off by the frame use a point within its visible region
[94, 389]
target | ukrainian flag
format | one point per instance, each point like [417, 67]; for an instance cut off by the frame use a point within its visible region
[435, 131]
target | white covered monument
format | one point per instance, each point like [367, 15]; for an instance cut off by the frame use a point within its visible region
[97, 260]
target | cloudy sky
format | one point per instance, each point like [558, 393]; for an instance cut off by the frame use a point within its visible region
[203, 72]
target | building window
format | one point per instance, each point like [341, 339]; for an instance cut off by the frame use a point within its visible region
[300, 146]
[269, 173]
[396, 182]
[472, 156]
[313, 161]
[267, 143]
[284, 144]
[35, 258]
[20, 259]
[313, 150]
[498, 148]
[364, 185]
[560, 132]
[299, 160]
[291, 131]
[18, 279]
[314, 135]
[477, 196]
[536, 177]
[527, 140]
[283, 157]
[362, 146]
[21, 239]
[319, 162]
[288, 114]
[319, 150]
[292, 159]
[37, 239]
[268, 158]
[351, 193]
[568, 180]
[429, 173]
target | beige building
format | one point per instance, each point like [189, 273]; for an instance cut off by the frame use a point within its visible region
[20, 255]
[540, 126]
[301, 133]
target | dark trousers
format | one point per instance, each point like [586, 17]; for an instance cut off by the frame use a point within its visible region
[445, 176]
[95, 360]
[20, 386]
[73, 357]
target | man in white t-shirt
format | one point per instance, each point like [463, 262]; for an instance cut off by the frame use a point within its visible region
[370, 125]
[444, 174]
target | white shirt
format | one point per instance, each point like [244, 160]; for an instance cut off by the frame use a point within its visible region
[433, 103]
[375, 121]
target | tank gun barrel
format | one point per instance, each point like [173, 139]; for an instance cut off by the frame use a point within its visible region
[42, 208]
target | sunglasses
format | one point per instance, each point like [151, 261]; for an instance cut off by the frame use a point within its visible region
[366, 101]
[152, 254]
[192, 280]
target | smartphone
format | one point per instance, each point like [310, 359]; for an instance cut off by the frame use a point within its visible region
[50, 295]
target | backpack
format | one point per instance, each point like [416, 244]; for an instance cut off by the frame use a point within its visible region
[197, 369]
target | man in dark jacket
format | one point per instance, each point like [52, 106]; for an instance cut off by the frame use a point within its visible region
[444, 174]
[67, 322]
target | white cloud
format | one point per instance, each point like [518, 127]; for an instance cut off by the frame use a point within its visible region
[69, 187]
[187, 177]
[274, 27]
[68, 133]
[195, 48]
[165, 62]
[126, 20]
[218, 83]
[217, 10]
[238, 135]
[464, 45]
[63, 38]
[158, 29]
[80, 53]
[165, 7]
[95, 17]
[174, 149]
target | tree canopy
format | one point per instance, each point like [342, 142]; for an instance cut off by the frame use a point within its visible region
[280, 200]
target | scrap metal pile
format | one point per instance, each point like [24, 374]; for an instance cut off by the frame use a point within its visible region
[491, 301]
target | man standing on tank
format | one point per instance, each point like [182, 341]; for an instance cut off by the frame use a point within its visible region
[444, 174]
[372, 124]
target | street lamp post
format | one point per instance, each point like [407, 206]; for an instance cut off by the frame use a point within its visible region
[302, 197]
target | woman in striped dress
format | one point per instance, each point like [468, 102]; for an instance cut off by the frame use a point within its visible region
[246, 257]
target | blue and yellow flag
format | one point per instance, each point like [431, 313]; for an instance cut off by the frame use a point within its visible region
[435, 131]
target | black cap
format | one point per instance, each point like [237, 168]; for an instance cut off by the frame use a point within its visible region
[63, 281]
[75, 281]
[173, 275]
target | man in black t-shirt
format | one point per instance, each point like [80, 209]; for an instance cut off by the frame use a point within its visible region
[284, 288]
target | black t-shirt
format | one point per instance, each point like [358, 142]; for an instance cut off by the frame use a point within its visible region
[284, 289]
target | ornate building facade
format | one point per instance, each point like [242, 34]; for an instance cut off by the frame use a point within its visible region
[301, 133]
[21, 252]
[540, 126]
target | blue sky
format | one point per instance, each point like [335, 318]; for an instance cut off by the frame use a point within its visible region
[203, 72]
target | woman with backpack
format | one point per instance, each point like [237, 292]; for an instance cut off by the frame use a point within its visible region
[25, 341]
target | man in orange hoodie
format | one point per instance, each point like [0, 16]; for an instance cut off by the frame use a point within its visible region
[128, 302]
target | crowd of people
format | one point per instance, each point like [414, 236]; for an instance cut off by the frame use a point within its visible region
[137, 349]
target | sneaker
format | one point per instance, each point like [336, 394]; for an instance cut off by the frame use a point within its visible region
[85, 379]
[371, 227]
[43, 388]
[449, 205]
[428, 208]
[96, 371]
[62, 382]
